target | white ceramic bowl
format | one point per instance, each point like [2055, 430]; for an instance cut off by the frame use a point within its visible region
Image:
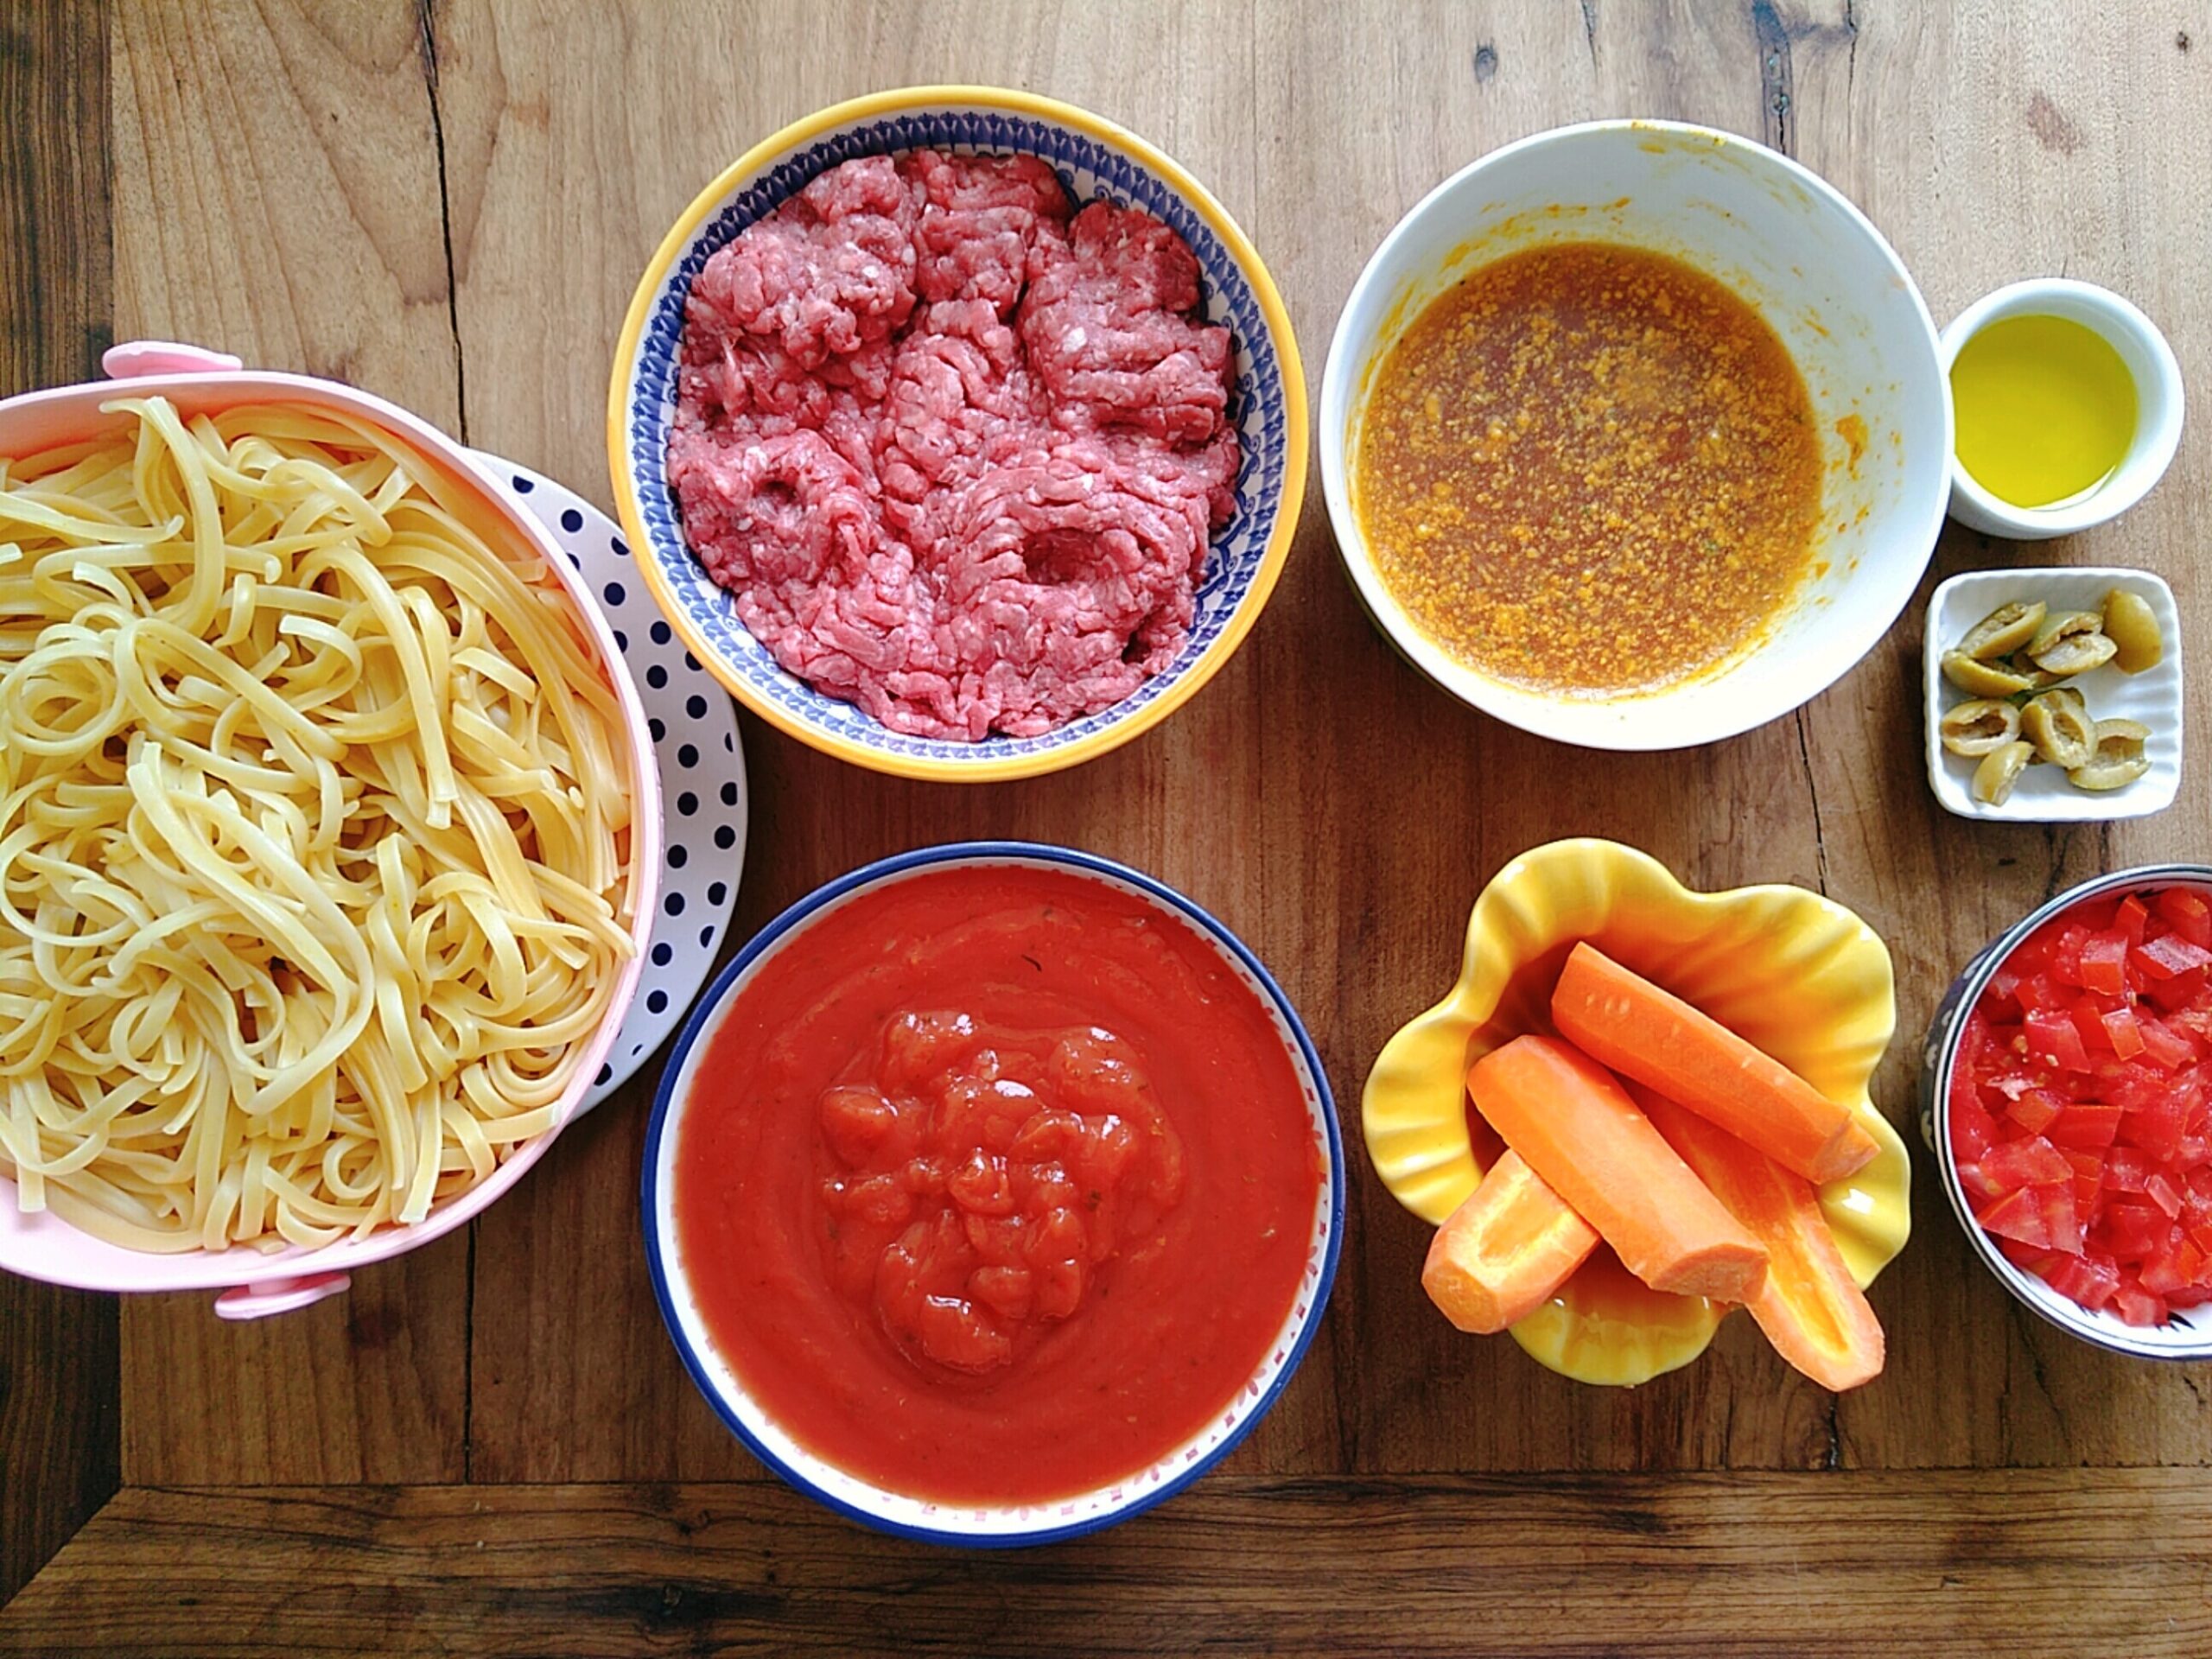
[895, 1512]
[44, 1246]
[1823, 277]
[2149, 363]
[2188, 1333]
[2154, 696]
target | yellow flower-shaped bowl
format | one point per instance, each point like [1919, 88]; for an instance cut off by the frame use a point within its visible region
[1786, 970]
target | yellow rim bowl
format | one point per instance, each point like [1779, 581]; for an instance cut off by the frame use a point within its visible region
[1796, 974]
[761, 158]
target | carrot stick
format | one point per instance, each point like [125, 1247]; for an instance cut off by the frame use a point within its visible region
[1505, 1250]
[1622, 1020]
[1811, 1309]
[1567, 1115]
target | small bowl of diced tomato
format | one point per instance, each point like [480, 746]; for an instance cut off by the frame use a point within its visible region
[2069, 1074]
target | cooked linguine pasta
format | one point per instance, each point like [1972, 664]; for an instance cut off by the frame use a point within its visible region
[314, 849]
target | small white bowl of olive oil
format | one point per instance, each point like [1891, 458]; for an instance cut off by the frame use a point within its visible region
[2067, 405]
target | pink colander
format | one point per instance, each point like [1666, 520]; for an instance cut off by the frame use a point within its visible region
[254, 1283]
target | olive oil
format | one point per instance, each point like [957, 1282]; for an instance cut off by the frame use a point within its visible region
[2046, 408]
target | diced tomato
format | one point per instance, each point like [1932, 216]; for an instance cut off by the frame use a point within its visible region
[2120, 1030]
[2137, 1306]
[2182, 991]
[2169, 954]
[2157, 1128]
[2162, 1192]
[2187, 913]
[2089, 1282]
[2164, 1046]
[2033, 1161]
[2066, 953]
[2126, 1168]
[2036, 1110]
[2061, 1222]
[2085, 1125]
[2176, 1267]
[2104, 963]
[2129, 1230]
[2018, 1215]
[1973, 1131]
[2054, 1039]
[2078, 1104]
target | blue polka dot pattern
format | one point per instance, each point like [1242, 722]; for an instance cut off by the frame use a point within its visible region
[1092, 169]
[685, 712]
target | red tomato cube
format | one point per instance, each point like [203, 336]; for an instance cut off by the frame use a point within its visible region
[2187, 913]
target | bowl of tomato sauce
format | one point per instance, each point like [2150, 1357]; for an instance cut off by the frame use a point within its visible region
[992, 1193]
[2067, 1093]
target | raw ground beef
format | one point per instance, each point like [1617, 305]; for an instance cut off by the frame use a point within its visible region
[956, 453]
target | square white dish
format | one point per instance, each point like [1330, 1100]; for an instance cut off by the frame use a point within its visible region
[2043, 794]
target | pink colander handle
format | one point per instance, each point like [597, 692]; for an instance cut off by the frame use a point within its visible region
[278, 1296]
[135, 358]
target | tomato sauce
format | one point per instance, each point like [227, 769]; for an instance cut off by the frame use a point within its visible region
[996, 1186]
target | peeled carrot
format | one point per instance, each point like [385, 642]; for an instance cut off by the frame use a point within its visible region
[1810, 1307]
[1505, 1250]
[1567, 1116]
[1622, 1020]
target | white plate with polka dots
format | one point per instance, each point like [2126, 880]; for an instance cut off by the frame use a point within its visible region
[694, 726]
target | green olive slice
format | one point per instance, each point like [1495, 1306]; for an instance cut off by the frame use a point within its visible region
[2119, 760]
[2056, 625]
[1983, 679]
[2132, 626]
[2004, 630]
[2077, 653]
[1999, 770]
[1975, 728]
[2058, 724]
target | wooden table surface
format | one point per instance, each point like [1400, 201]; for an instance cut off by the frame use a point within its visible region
[490, 1447]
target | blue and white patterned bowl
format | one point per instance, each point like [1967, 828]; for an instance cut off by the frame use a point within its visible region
[963, 1524]
[1094, 159]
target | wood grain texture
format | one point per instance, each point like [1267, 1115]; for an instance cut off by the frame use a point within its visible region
[1925, 1565]
[451, 204]
[59, 1378]
[276, 179]
[2038, 155]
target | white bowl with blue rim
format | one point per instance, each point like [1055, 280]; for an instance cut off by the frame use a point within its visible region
[1094, 159]
[966, 1523]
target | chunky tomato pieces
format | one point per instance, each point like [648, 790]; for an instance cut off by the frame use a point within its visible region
[2079, 1104]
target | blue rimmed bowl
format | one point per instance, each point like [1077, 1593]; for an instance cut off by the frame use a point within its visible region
[962, 1523]
[1094, 159]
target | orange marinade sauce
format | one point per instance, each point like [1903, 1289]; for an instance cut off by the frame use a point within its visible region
[1589, 469]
